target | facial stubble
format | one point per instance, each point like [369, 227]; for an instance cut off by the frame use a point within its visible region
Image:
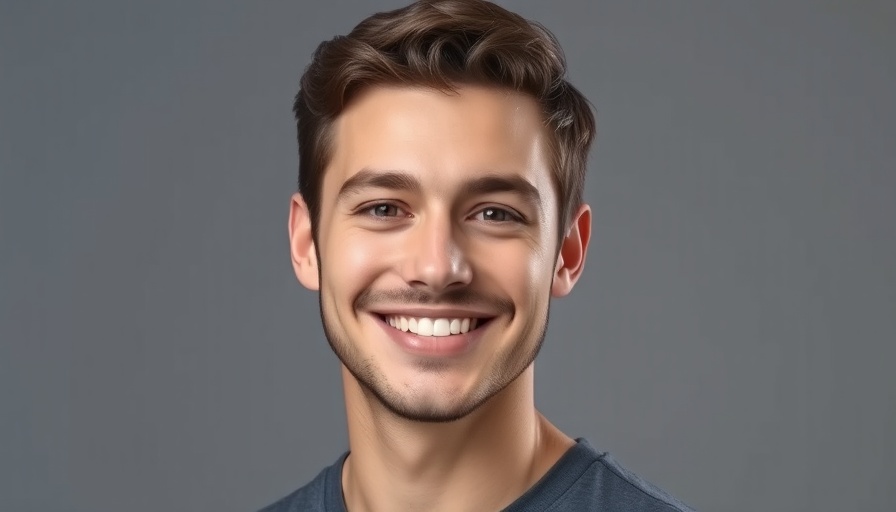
[376, 386]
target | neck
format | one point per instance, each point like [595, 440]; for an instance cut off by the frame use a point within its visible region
[483, 461]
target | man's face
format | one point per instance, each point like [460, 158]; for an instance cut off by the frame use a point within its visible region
[437, 245]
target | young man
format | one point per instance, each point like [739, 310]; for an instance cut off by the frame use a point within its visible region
[441, 164]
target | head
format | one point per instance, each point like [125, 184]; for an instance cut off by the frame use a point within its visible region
[442, 157]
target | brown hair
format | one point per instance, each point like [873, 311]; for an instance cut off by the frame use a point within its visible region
[443, 44]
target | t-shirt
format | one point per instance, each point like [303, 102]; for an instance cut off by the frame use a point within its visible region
[582, 480]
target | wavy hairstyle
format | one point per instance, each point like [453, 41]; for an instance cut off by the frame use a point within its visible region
[444, 44]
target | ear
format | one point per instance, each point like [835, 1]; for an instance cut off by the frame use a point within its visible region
[573, 249]
[301, 244]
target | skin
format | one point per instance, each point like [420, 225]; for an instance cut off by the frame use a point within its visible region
[431, 431]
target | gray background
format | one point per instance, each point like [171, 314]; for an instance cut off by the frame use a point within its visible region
[732, 338]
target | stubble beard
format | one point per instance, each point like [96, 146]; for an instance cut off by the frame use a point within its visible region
[375, 384]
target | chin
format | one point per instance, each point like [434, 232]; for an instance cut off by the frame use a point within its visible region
[432, 409]
[431, 393]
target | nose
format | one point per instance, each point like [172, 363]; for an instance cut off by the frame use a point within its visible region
[436, 260]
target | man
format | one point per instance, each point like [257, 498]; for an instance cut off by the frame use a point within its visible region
[442, 160]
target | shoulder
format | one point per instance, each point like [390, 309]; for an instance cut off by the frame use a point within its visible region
[585, 479]
[629, 491]
[323, 494]
[307, 498]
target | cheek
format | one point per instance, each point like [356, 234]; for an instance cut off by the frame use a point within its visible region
[540, 274]
[353, 259]
[524, 271]
[359, 254]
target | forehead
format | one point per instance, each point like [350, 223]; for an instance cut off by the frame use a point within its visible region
[440, 135]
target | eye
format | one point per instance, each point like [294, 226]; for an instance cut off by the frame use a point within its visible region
[385, 210]
[494, 214]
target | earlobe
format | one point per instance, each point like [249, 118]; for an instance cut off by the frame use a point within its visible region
[301, 244]
[573, 249]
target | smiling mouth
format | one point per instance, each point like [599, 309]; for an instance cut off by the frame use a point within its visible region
[435, 327]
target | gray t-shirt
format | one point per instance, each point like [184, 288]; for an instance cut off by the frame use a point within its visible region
[582, 480]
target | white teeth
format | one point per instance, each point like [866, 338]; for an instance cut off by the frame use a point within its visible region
[424, 327]
[432, 326]
[441, 327]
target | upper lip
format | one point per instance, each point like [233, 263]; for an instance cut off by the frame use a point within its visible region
[430, 312]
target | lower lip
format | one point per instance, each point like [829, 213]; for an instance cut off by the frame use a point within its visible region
[432, 346]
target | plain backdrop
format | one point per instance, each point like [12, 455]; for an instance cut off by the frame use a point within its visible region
[732, 339]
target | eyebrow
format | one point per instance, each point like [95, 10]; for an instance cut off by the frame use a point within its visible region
[491, 183]
[397, 180]
[368, 178]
